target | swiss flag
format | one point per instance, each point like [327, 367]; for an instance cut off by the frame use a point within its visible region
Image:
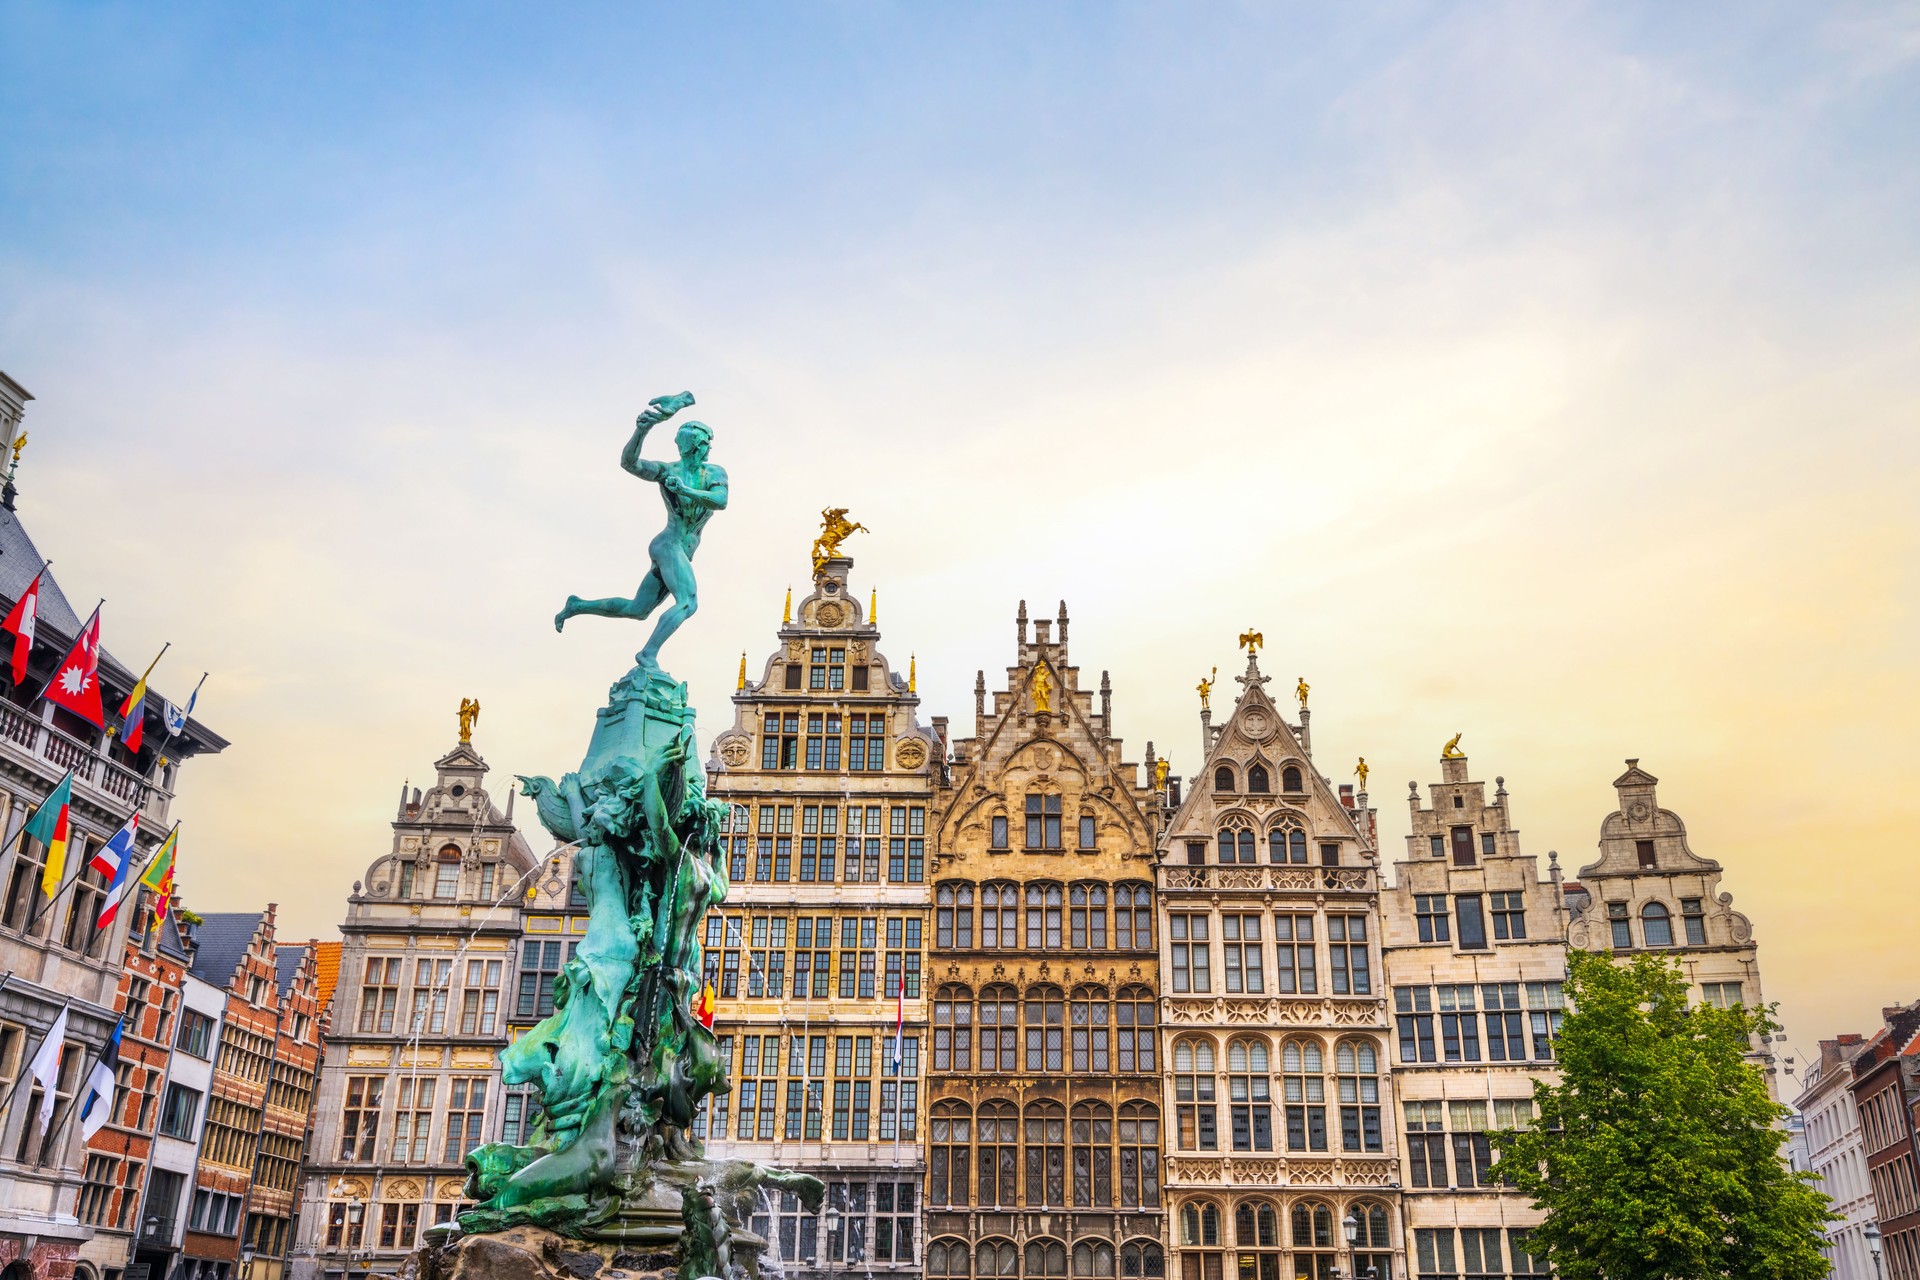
[76, 681]
[20, 623]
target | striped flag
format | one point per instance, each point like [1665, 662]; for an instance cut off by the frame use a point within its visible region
[50, 826]
[115, 860]
[20, 622]
[133, 712]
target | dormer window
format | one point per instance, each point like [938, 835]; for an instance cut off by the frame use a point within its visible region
[1223, 779]
[1290, 781]
[1643, 849]
[406, 881]
[1257, 780]
[1043, 821]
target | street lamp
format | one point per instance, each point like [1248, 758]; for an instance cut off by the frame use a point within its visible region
[1872, 1233]
[1350, 1226]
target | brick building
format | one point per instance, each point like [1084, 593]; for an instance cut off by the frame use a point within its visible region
[1886, 1092]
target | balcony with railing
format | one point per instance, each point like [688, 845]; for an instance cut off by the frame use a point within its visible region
[1301, 879]
[122, 788]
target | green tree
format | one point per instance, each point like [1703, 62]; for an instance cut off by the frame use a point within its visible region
[1657, 1154]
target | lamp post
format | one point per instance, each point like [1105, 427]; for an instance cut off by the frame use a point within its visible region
[1872, 1233]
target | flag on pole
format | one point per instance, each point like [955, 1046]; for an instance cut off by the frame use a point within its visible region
[76, 682]
[49, 825]
[26, 611]
[115, 860]
[100, 1083]
[899, 1022]
[707, 1007]
[45, 1067]
[176, 717]
[133, 712]
[159, 874]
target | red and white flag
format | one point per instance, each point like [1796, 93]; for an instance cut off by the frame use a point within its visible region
[26, 611]
[76, 681]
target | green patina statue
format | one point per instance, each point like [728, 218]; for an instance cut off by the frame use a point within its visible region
[623, 1063]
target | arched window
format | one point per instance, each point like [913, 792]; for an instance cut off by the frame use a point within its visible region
[1089, 916]
[1249, 1095]
[1193, 1094]
[446, 873]
[997, 1028]
[953, 919]
[1046, 1260]
[1236, 842]
[996, 1258]
[1223, 779]
[1139, 1155]
[1257, 779]
[1287, 843]
[1140, 1260]
[1046, 1124]
[1092, 1258]
[1133, 918]
[998, 912]
[1306, 1095]
[1371, 1244]
[1093, 1158]
[1199, 1225]
[950, 1157]
[1045, 1031]
[953, 1029]
[1290, 780]
[1358, 1065]
[1656, 925]
[949, 1260]
[1043, 917]
[1092, 1034]
[1133, 1032]
[1256, 1231]
[999, 1143]
[1313, 1248]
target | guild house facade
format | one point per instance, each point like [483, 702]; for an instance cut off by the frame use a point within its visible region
[818, 955]
[1280, 1140]
[1044, 1146]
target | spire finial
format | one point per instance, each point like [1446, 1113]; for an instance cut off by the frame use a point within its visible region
[913, 673]
[1020, 620]
[740, 685]
[873, 606]
[1063, 622]
[786, 610]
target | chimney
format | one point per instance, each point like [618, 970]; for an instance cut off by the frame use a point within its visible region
[1346, 795]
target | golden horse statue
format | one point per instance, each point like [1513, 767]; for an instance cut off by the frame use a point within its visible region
[835, 529]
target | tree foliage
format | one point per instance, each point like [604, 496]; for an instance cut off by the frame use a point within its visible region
[1657, 1155]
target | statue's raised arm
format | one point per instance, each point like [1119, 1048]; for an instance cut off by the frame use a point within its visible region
[692, 490]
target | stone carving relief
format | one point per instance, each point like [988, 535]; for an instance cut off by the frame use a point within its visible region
[830, 613]
[910, 753]
[735, 751]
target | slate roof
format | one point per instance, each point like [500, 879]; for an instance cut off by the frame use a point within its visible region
[222, 937]
[172, 942]
[287, 966]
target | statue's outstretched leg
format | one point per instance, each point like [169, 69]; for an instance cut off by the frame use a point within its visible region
[644, 602]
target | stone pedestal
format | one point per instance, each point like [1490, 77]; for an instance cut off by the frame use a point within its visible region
[534, 1253]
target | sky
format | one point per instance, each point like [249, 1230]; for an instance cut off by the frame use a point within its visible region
[1547, 374]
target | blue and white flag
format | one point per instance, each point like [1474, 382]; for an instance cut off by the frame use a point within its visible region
[100, 1084]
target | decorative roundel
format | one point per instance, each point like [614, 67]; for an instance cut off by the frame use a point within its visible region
[910, 754]
[1043, 756]
[829, 613]
[1638, 811]
[1256, 724]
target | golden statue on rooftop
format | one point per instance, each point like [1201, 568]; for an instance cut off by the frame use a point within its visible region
[1361, 771]
[1251, 640]
[1205, 689]
[1042, 688]
[469, 712]
[1160, 769]
[1452, 750]
[835, 529]
[1301, 691]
